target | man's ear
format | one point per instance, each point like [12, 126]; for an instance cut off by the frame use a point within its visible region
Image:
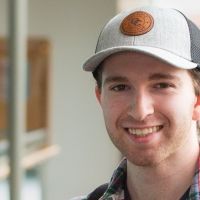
[98, 93]
[196, 112]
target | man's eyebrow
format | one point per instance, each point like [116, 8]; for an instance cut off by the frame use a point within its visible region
[152, 77]
[111, 79]
[158, 76]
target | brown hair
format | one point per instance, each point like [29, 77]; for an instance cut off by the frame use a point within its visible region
[97, 74]
[195, 75]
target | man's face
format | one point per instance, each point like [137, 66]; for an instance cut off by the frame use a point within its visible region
[149, 107]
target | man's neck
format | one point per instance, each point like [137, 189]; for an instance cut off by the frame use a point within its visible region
[168, 180]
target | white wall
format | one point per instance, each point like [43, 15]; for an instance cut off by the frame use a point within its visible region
[126, 4]
[87, 156]
[188, 7]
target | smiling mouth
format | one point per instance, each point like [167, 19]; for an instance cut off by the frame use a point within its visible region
[144, 131]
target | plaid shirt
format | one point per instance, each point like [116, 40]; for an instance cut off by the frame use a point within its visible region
[117, 187]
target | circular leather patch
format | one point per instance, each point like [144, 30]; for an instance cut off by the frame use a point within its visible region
[137, 23]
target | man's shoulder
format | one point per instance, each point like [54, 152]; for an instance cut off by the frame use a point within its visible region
[95, 195]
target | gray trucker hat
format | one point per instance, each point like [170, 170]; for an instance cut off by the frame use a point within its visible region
[163, 33]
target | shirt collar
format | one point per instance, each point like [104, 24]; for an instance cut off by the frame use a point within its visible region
[117, 187]
[117, 183]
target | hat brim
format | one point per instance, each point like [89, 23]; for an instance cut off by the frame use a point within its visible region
[163, 55]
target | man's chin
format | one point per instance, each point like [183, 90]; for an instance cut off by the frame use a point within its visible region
[145, 161]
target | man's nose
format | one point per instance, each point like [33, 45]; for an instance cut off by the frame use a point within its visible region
[141, 107]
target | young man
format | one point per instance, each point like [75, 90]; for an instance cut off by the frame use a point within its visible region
[146, 66]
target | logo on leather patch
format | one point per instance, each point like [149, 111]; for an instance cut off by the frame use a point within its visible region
[137, 23]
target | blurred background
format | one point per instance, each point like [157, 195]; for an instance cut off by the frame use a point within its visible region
[66, 148]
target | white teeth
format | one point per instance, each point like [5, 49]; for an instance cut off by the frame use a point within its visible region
[145, 131]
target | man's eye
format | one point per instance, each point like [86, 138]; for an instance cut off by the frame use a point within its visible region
[163, 85]
[121, 87]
